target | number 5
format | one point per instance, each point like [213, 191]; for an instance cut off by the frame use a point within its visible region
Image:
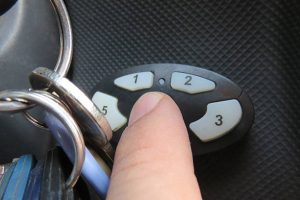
[104, 110]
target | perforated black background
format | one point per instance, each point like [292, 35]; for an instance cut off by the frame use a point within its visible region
[254, 43]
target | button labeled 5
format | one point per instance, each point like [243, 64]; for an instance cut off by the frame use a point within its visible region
[220, 118]
[108, 105]
[136, 81]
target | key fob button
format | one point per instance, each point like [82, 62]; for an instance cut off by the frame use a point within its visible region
[190, 84]
[136, 81]
[220, 118]
[108, 105]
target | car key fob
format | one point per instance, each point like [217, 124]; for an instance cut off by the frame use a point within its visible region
[216, 111]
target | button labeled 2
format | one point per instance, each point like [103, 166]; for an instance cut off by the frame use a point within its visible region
[220, 118]
[108, 105]
[136, 81]
[190, 83]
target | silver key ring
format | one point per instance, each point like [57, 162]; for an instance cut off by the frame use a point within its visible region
[93, 121]
[12, 106]
[66, 38]
[53, 105]
[65, 54]
[95, 126]
[66, 50]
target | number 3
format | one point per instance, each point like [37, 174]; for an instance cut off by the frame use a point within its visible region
[220, 120]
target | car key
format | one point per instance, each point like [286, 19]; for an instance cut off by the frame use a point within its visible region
[89, 118]
[33, 187]
[54, 177]
[216, 111]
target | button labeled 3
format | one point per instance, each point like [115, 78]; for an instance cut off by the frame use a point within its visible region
[136, 81]
[108, 105]
[220, 118]
[190, 83]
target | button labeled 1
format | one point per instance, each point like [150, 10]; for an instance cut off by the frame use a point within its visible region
[220, 118]
[108, 105]
[190, 83]
[136, 81]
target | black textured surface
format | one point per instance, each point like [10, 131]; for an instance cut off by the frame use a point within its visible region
[254, 43]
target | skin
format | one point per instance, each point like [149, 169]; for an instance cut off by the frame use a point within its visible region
[153, 159]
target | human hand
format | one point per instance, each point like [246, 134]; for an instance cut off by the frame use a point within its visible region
[153, 159]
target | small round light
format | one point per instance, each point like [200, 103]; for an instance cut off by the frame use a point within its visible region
[161, 81]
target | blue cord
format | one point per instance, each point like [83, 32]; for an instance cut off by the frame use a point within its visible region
[92, 172]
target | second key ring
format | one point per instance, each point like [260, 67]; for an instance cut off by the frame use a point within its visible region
[51, 104]
[66, 50]
[64, 59]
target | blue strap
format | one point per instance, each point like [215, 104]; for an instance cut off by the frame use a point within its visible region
[17, 184]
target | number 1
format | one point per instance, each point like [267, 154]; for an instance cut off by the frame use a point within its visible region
[135, 78]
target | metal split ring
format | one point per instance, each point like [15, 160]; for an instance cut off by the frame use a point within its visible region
[63, 62]
[54, 106]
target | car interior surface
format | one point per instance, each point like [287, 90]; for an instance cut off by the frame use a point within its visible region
[245, 53]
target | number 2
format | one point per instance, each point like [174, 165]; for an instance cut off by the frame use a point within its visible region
[220, 120]
[189, 79]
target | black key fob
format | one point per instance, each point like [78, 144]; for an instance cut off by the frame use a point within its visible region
[216, 111]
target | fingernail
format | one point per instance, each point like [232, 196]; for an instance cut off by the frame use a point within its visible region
[144, 105]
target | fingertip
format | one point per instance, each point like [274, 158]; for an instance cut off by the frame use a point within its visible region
[144, 105]
[154, 152]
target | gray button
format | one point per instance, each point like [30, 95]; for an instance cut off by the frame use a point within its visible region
[136, 81]
[108, 105]
[190, 83]
[220, 118]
